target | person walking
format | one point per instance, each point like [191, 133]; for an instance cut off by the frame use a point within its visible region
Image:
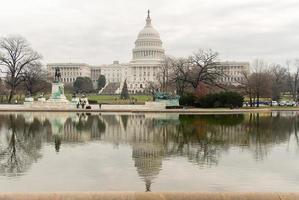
[83, 104]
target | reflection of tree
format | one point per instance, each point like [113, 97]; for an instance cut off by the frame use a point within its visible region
[202, 139]
[196, 140]
[23, 146]
[264, 131]
[57, 142]
[124, 119]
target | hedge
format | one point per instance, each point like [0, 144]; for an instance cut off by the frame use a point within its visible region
[216, 100]
[221, 100]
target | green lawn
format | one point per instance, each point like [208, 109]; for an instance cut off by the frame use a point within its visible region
[114, 99]
[104, 99]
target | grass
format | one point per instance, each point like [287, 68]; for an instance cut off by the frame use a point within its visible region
[115, 99]
[103, 99]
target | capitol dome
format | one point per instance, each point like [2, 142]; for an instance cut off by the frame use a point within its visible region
[148, 45]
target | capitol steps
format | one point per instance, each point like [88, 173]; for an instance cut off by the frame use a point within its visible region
[111, 88]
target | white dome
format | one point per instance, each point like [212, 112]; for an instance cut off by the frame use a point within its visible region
[148, 32]
[148, 44]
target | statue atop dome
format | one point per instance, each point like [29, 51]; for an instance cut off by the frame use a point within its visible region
[148, 19]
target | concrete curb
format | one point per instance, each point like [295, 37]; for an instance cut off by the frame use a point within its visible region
[191, 111]
[22, 108]
[149, 196]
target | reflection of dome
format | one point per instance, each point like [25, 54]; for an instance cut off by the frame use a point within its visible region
[148, 161]
[148, 44]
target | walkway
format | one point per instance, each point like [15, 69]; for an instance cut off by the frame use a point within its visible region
[149, 196]
[139, 108]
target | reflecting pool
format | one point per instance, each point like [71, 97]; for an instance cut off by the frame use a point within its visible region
[44, 152]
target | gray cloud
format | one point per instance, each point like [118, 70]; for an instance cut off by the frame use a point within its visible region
[99, 32]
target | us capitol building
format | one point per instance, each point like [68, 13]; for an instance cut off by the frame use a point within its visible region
[143, 69]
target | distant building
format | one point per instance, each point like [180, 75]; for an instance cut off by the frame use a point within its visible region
[143, 69]
[95, 73]
[69, 71]
[233, 72]
[114, 73]
[147, 58]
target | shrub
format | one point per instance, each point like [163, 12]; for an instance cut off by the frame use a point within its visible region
[83, 85]
[187, 99]
[101, 82]
[92, 101]
[222, 99]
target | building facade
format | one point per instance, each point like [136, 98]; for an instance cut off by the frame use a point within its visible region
[147, 58]
[95, 73]
[144, 67]
[69, 71]
[233, 72]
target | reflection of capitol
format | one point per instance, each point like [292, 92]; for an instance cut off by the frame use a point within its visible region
[154, 137]
[148, 161]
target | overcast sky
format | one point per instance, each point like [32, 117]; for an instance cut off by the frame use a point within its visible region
[98, 31]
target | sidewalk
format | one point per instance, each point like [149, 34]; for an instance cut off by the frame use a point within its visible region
[150, 196]
[139, 108]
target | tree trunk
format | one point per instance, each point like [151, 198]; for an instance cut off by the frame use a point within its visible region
[12, 91]
[250, 98]
[258, 99]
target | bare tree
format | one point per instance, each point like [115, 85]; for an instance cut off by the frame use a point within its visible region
[293, 79]
[34, 77]
[247, 87]
[200, 68]
[164, 73]
[279, 80]
[15, 56]
[261, 85]
[179, 74]
[152, 88]
[2, 87]
[203, 68]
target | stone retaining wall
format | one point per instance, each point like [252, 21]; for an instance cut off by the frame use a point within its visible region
[149, 196]
[146, 106]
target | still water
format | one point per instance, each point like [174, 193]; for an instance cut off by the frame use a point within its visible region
[41, 152]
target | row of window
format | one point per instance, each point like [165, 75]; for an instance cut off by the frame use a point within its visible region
[227, 79]
[233, 73]
[149, 54]
[67, 68]
[148, 43]
[231, 67]
[137, 85]
[143, 68]
[68, 79]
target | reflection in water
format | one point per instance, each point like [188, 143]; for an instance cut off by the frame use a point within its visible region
[202, 139]
[20, 146]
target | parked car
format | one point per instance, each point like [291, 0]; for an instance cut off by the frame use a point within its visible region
[261, 104]
[290, 103]
[274, 103]
[282, 103]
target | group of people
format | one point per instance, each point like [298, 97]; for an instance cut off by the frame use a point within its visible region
[82, 103]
